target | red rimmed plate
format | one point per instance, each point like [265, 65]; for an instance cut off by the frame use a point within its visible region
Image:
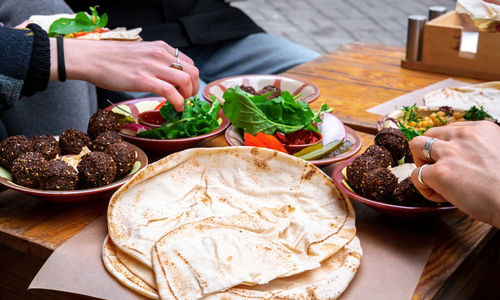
[385, 208]
[233, 138]
[137, 106]
[308, 91]
[76, 195]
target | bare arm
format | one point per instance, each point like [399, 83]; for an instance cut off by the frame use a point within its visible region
[128, 66]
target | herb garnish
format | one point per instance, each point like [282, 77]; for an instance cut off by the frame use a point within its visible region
[81, 23]
[410, 113]
[255, 113]
[197, 118]
[476, 114]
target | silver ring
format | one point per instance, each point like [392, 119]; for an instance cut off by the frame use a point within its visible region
[427, 148]
[419, 174]
[177, 65]
[176, 52]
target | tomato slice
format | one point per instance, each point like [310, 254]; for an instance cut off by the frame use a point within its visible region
[160, 105]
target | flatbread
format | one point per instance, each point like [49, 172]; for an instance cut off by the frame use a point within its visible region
[122, 274]
[326, 282]
[217, 253]
[204, 182]
[486, 95]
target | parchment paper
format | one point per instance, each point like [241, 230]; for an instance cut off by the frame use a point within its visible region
[394, 255]
[413, 97]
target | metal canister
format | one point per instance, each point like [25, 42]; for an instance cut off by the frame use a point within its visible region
[436, 11]
[414, 38]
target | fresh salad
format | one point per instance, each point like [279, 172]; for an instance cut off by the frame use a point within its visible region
[283, 122]
[196, 119]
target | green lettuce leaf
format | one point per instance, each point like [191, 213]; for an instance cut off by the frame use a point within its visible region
[254, 113]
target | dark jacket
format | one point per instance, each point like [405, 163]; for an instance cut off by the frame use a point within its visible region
[15, 55]
[180, 23]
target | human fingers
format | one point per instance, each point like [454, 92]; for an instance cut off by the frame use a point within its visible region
[167, 90]
[193, 72]
[426, 149]
[180, 79]
[421, 183]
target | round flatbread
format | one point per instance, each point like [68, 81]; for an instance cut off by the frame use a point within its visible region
[121, 273]
[326, 282]
[252, 206]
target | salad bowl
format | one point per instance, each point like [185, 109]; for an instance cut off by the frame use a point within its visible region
[138, 106]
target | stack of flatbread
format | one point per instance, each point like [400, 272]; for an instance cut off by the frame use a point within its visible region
[117, 34]
[232, 223]
[485, 14]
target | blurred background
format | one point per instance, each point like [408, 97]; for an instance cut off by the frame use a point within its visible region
[325, 25]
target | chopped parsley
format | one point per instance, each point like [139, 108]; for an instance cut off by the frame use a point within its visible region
[476, 114]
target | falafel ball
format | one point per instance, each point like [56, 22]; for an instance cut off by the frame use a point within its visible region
[124, 157]
[378, 184]
[96, 169]
[46, 145]
[102, 121]
[393, 140]
[56, 174]
[105, 139]
[360, 166]
[406, 194]
[380, 153]
[248, 89]
[409, 157]
[26, 169]
[11, 148]
[73, 140]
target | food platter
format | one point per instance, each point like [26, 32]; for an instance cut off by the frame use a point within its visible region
[137, 106]
[76, 195]
[339, 179]
[308, 92]
[233, 138]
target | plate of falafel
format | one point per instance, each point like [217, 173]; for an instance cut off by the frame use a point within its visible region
[73, 166]
[380, 178]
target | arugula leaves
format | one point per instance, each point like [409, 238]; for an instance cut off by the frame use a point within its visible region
[81, 23]
[197, 118]
[254, 113]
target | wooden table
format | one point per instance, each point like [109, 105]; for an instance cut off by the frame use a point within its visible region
[351, 79]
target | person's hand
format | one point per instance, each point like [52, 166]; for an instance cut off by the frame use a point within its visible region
[130, 66]
[23, 24]
[465, 168]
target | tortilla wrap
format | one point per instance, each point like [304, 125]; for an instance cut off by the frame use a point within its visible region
[120, 33]
[326, 282]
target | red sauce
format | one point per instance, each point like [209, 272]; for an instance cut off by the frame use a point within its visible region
[302, 137]
[152, 117]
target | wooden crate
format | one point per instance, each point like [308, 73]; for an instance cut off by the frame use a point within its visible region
[441, 44]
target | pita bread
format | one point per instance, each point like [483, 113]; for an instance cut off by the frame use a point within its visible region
[121, 273]
[486, 95]
[326, 282]
[483, 14]
[204, 182]
[217, 253]
[203, 194]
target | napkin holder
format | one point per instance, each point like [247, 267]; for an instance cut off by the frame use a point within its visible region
[453, 45]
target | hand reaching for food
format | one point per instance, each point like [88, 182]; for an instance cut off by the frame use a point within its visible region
[130, 66]
[461, 166]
